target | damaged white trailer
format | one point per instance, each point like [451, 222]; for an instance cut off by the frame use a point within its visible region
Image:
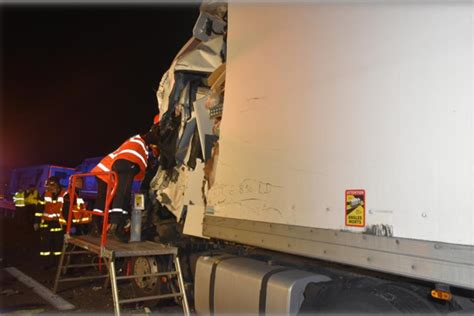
[347, 136]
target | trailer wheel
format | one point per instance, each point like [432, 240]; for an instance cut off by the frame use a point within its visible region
[364, 295]
[145, 265]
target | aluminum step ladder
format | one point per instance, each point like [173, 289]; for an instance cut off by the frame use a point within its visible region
[69, 251]
[175, 272]
[113, 250]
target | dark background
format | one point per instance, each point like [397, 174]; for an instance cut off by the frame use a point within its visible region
[76, 81]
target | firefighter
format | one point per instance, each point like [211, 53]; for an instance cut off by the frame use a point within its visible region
[20, 214]
[130, 163]
[49, 220]
[80, 220]
[31, 203]
[19, 199]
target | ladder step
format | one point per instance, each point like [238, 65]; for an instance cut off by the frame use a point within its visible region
[83, 278]
[83, 265]
[149, 298]
[77, 252]
[146, 275]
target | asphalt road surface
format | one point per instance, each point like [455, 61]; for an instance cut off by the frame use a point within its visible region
[20, 249]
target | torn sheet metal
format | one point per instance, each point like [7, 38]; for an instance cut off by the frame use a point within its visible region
[185, 141]
[182, 79]
[193, 223]
[169, 129]
[205, 126]
[208, 26]
[206, 57]
[188, 131]
[193, 194]
[167, 81]
[195, 152]
[195, 202]
[170, 187]
[212, 20]
[183, 104]
[163, 92]
[211, 166]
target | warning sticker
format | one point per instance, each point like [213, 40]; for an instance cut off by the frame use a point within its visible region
[355, 208]
[139, 201]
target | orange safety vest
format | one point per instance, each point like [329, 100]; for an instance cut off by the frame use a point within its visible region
[133, 150]
[79, 217]
[53, 207]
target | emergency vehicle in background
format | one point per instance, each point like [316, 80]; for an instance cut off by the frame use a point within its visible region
[36, 176]
[22, 179]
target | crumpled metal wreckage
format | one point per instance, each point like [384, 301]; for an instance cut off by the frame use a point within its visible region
[190, 99]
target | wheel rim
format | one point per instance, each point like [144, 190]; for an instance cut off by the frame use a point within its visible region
[145, 265]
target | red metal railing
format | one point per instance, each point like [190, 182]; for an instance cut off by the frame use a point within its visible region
[110, 193]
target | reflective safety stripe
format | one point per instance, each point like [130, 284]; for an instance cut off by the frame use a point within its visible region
[118, 210]
[134, 140]
[97, 210]
[133, 152]
[55, 229]
[57, 253]
[38, 214]
[42, 202]
[48, 199]
[60, 199]
[44, 226]
[45, 253]
[62, 221]
[102, 167]
[52, 215]
[79, 201]
[82, 220]
[20, 204]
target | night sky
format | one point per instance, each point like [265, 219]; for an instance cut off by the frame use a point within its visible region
[76, 81]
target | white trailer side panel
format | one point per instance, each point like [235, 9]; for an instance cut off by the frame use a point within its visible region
[322, 98]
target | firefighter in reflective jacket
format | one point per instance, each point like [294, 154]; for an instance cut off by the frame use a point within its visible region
[80, 220]
[49, 219]
[31, 203]
[130, 163]
[31, 196]
[19, 199]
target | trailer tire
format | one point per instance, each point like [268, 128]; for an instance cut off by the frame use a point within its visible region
[147, 286]
[363, 295]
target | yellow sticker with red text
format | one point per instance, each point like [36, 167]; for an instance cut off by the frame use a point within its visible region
[355, 208]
